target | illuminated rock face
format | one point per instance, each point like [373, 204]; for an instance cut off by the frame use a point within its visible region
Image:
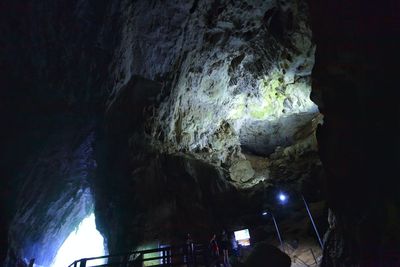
[208, 99]
[84, 242]
[235, 77]
[207, 110]
[200, 105]
[55, 196]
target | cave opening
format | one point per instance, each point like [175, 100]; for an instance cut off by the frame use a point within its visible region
[176, 117]
[84, 242]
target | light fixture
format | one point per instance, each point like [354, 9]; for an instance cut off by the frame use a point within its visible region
[282, 197]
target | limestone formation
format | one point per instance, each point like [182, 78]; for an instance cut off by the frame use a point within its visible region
[235, 77]
[198, 109]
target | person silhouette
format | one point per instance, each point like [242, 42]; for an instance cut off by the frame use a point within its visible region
[214, 250]
[189, 248]
[224, 247]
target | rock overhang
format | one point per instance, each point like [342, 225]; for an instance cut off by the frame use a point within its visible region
[236, 84]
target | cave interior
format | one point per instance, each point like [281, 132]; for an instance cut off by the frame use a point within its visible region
[142, 121]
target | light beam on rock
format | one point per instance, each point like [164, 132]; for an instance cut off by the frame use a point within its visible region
[84, 242]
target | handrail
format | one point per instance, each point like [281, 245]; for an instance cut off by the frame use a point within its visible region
[171, 256]
[303, 262]
[133, 256]
[288, 249]
[315, 259]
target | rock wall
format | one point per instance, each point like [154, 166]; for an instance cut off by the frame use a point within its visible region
[54, 198]
[235, 77]
[195, 105]
[355, 90]
[219, 84]
[51, 67]
[203, 102]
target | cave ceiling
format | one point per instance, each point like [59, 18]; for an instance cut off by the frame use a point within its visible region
[235, 81]
[194, 102]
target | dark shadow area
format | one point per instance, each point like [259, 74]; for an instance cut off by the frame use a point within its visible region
[355, 85]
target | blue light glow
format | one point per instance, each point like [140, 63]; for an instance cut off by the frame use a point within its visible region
[282, 197]
[85, 242]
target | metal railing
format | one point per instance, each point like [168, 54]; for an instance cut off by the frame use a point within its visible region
[183, 255]
[315, 263]
[194, 255]
[288, 249]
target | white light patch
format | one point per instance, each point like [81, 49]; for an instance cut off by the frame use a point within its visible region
[243, 237]
[85, 242]
[242, 234]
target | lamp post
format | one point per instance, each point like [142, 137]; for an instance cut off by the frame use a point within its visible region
[312, 221]
[265, 213]
[283, 199]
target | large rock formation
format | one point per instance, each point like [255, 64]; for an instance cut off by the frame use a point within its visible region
[356, 63]
[230, 91]
[51, 69]
[193, 105]
[235, 78]
[55, 184]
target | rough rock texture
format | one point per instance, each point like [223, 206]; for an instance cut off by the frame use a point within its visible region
[339, 245]
[235, 75]
[50, 71]
[226, 87]
[56, 185]
[206, 105]
[199, 106]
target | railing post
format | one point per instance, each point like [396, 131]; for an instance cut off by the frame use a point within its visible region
[75, 264]
[312, 252]
[83, 263]
[312, 221]
[277, 231]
